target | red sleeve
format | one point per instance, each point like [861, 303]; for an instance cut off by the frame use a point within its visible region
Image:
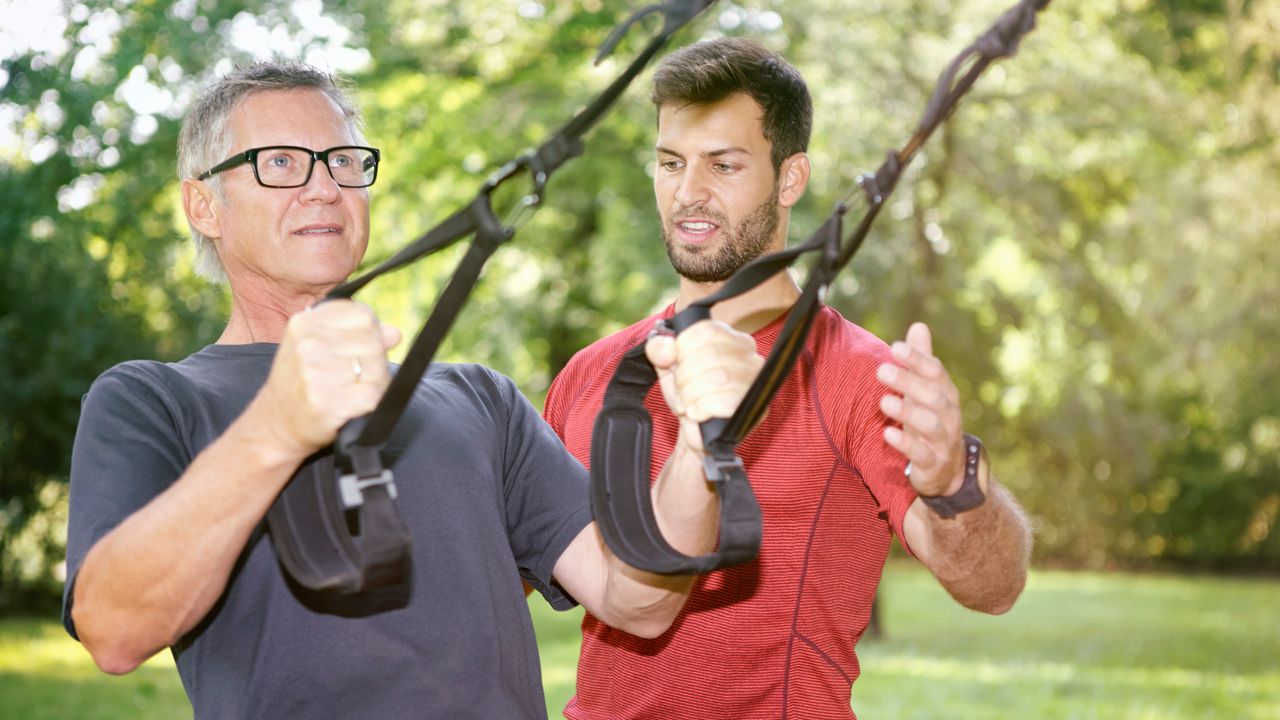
[851, 378]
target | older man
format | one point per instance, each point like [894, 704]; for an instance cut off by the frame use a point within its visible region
[175, 464]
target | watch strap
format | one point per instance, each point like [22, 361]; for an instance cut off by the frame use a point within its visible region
[970, 494]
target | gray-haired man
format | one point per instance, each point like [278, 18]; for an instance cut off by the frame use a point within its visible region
[175, 464]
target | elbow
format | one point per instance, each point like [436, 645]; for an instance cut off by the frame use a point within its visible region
[647, 622]
[1000, 606]
[997, 602]
[113, 661]
[999, 598]
[648, 628]
[115, 653]
[110, 654]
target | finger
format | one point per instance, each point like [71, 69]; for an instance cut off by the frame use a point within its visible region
[661, 351]
[919, 338]
[918, 388]
[391, 336]
[719, 367]
[713, 405]
[921, 363]
[706, 335]
[937, 392]
[339, 314]
[921, 454]
[717, 364]
[916, 419]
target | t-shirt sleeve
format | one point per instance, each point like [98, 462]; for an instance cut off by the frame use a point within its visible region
[546, 496]
[882, 467]
[127, 450]
[553, 409]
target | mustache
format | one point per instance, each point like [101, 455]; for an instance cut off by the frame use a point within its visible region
[712, 215]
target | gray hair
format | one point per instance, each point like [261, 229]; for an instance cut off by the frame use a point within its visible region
[205, 138]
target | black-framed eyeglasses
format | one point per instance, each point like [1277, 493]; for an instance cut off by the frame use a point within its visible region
[290, 166]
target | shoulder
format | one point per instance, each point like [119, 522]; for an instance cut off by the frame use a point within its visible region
[612, 346]
[462, 390]
[592, 366]
[134, 381]
[835, 341]
[468, 380]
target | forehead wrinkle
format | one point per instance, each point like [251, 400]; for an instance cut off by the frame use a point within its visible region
[273, 123]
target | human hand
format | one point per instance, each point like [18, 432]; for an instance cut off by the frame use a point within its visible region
[331, 367]
[704, 373]
[927, 405]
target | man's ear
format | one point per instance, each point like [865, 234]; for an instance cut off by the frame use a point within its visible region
[199, 203]
[793, 178]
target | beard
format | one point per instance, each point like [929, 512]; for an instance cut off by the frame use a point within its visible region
[742, 243]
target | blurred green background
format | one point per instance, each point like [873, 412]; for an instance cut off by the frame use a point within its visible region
[1091, 236]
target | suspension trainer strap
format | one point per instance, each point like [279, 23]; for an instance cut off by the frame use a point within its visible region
[335, 527]
[622, 440]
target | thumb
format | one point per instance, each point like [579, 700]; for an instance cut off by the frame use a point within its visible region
[919, 338]
[660, 349]
[391, 336]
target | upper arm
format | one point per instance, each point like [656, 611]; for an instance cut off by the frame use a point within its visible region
[127, 451]
[545, 496]
[582, 569]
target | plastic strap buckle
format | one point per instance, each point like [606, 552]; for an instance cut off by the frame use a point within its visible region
[719, 469]
[351, 487]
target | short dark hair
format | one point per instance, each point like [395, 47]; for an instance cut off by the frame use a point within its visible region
[712, 70]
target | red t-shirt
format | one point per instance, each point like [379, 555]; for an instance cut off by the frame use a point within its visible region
[773, 638]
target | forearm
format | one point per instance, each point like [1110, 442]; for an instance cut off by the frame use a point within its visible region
[644, 603]
[704, 373]
[980, 556]
[156, 575]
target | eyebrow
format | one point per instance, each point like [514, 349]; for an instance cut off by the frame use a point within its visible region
[719, 152]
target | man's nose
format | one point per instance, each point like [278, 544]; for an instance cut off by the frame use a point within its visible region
[321, 187]
[694, 189]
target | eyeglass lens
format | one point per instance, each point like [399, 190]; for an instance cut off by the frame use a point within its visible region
[288, 167]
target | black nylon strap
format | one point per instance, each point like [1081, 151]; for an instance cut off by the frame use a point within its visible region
[479, 218]
[308, 522]
[629, 526]
[345, 562]
[623, 508]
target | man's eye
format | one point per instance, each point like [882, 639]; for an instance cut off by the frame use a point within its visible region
[278, 161]
[341, 161]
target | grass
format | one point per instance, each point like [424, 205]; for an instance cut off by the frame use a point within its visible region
[45, 675]
[1078, 646]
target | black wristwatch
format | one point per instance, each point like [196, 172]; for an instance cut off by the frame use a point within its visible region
[970, 494]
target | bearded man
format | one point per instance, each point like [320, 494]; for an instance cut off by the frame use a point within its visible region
[775, 638]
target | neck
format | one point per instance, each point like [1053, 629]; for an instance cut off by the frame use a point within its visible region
[755, 308]
[749, 311]
[261, 316]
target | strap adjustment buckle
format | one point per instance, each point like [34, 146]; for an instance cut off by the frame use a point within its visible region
[718, 469]
[351, 487]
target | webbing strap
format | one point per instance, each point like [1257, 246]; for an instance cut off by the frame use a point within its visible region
[311, 522]
[364, 548]
[620, 443]
[630, 528]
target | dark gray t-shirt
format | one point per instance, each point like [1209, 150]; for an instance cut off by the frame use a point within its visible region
[487, 490]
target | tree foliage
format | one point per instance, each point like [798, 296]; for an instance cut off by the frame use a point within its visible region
[1088, 235]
